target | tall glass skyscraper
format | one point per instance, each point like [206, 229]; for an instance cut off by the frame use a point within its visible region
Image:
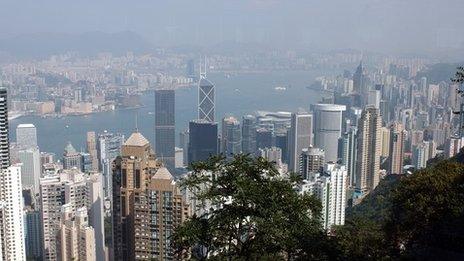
[203, 140]
[165, 127]
[206, 99]
[231, 136]
[249, 134]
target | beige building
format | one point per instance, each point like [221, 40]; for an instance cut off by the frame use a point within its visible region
[385, 142]
[76, 190]
[396, 157]
[92, 149]
[76, 238]
[369, 150]
[147, 204]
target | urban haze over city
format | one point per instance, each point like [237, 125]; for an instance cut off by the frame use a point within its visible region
[231, 130]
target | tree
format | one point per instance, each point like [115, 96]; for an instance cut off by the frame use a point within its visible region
[256, 214]
[427, 210]
[362, 239]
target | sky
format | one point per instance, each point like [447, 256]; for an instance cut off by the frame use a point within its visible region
[371, 25]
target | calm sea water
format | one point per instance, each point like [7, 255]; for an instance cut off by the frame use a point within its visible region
[236, 95]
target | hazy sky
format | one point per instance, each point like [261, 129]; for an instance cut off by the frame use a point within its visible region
[375, 25]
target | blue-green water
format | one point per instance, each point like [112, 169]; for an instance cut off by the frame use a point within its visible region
[236, 95]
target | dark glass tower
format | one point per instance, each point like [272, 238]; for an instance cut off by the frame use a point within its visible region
[203, 140]
[165, 127]
[249, 134]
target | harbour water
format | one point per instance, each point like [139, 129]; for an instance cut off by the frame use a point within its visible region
[235, 95]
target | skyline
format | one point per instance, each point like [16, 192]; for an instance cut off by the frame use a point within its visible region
[234, 129]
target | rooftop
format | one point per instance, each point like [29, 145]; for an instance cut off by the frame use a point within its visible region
[163, 173]
[136, 139]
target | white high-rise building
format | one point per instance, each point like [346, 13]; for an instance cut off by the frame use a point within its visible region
[421, 155]
[330, 187]
[11, 211]
[30, 169]
[328, 128]
[26, 136]
[299, 138]
[108, 148]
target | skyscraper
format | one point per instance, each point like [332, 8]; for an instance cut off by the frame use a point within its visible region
[147, 204]
[184, 143]
[203, 140]
[359, 79]
[397, 137]
[161, 209]
[368, 158]
[348, 154]
[206, 99]
[281, 142]
[108, 148]
[4, 141]
[30, 168]
[33, 231]
[131, 173]
[231, 137]
[165, 127]
[76, 238]
[421, 155]
[11, 214]
[92, 150]
[249, 134]
[311, 162]
[385, 142]
[328, 128]
[26, 136]
[300, 135]
[264, 138]
[71, 158]
[77, 190]
[330, 188]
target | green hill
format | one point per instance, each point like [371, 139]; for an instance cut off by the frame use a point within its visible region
[420, 216]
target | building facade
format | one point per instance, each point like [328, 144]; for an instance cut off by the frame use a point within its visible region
[165, 127]
[368, 158]
[299, 138]
[328, 129]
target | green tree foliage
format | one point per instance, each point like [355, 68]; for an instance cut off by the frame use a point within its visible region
[416, 216]
[362, 239]
[427, 210]
[258, 214]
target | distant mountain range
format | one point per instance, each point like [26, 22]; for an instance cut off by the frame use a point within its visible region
[41, 45]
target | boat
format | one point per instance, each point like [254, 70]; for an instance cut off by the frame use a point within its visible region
[14, 115]
[280, 88]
